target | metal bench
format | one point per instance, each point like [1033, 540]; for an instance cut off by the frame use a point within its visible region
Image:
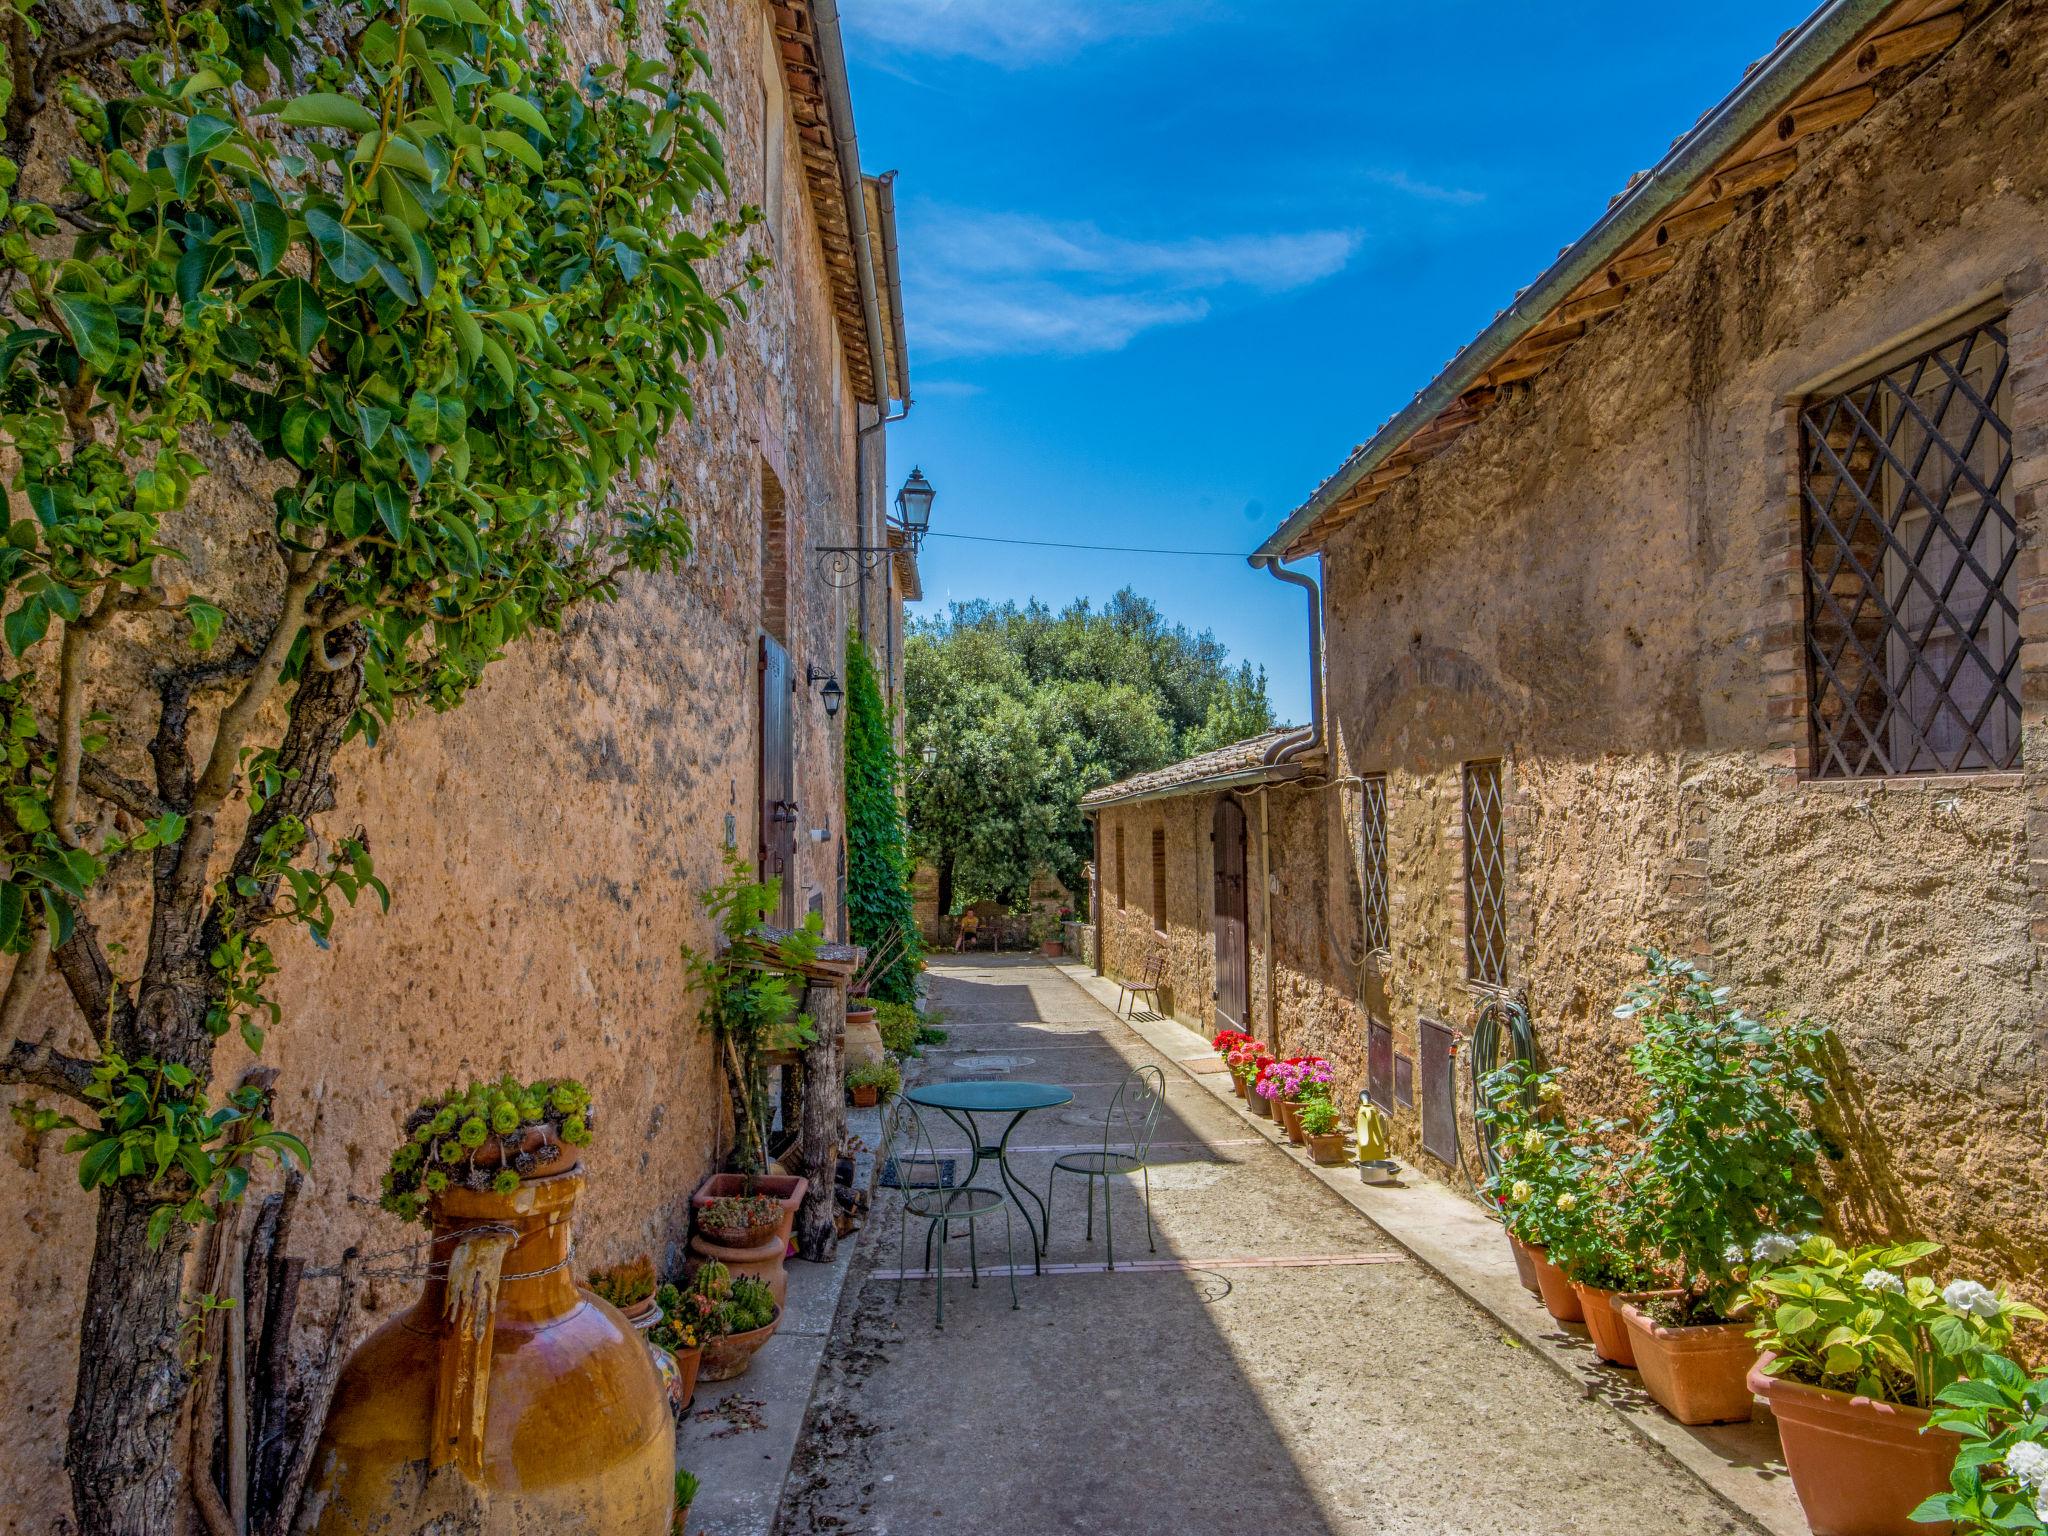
[1147, 984]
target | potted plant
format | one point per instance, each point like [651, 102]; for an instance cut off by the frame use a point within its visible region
[1719, 1164]
[740, 1221]
[1603, 1262]
[743, 1316]
[871, 1082]
[1856, 1352]
[1247, 1059]
[1538, 1167]
[686, 1495]
[2000, 1483]
[1321, 1125]
[1285, 1082]
[685, 1315]
[629, 1287]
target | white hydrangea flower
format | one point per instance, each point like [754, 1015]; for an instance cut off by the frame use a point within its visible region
[1733, 1255]
[1882, 1280]
[1772, 1247]
[1520, 1191]
[2028, 1461]
[1968, 1296]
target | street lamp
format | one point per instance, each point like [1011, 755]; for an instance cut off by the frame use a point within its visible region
[929, 753]
[914, 507]
[831, 693]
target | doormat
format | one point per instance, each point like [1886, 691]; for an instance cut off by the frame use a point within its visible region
[918, 1173]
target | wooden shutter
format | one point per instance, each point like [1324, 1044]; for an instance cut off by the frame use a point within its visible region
[778, 772]
[1233, 960]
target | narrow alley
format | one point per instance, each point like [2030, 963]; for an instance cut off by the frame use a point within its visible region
[1279, 1363]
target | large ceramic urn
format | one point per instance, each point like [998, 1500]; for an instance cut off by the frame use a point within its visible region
[505, 1402]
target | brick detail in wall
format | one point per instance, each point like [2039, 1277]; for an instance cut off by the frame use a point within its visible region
[1781, 612]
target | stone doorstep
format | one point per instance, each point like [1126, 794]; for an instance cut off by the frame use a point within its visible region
[743, 1472]
[1741, 1464]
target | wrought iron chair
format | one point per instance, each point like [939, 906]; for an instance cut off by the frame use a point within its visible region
[1147, 983]
[1126, 1148]
[925, 1180]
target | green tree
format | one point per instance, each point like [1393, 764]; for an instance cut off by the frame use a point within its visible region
[1025, 710]
[877, 873]
[449, 285]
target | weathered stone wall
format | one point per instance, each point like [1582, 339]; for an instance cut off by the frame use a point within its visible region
[1599, 584]
[545, 845]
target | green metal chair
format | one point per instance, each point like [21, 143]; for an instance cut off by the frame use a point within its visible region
[937, 1204]
[1126, 1148]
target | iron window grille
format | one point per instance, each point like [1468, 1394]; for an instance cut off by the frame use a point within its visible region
[1159, 879]
[1486, 908]
[1912, 627]
[1372, 861]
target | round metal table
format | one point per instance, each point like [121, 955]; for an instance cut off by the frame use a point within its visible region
[961, 1102]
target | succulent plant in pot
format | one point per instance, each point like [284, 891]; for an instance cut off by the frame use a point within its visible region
[740, 1221]
[488, 1136]
[628, 1286]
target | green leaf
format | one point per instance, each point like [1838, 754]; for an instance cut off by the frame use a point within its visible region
[205, 620]
[348, 255]
[305, 317]
[160, 1222]
[101, 1163]
[373, 420]
[92, 327]
[326, 109]
[516, 147]
[12, 904]
[519, 108]
[304, 430]
[269, 233]
[204, 131]
[27, 624]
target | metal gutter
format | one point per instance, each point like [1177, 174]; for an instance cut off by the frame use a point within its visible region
[1765, 92]
[1264, 773]
[839, 96]
[892, 275]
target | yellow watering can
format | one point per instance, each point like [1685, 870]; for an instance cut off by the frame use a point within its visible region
[1373, 1161]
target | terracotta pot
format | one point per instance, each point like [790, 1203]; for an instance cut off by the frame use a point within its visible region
[857, 1017]
[1260, 1105]
[1237, 1086]
[1052, 949]
[1860, 1466]
[1525, 1267]
[1699, 1375]
[727, 1357]
[1610, 1335]
[1559, 1299]
[541, 1140]
[764, 1261]
[741, 1237]
[542, 1410]
[788, 1188]
[1288, 1111]
[1327, 1149]
[866, 1096]
[688, 1363]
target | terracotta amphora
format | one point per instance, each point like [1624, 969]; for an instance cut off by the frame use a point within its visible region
[506, 1401]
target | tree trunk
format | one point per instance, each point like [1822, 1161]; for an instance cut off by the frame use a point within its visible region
[127, 1467]
[945, 894]
[824, 1124]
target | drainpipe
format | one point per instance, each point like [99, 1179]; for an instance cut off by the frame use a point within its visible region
[1309, 738]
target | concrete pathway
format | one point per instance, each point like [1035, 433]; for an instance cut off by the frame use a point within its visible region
[1278, 1366]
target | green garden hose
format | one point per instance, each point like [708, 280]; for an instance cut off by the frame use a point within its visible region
[1500, 1034]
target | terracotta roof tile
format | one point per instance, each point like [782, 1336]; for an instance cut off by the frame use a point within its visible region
[1236, 758]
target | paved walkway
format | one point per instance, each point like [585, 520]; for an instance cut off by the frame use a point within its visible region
[1343, 1389]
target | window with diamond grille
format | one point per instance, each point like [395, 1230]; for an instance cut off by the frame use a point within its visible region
[1486, 906]
[1372, 860]
[1912, 629]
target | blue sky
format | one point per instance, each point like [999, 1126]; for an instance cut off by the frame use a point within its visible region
[1166, 263]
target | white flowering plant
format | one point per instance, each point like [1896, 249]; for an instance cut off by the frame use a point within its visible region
[1723, 1141]
[2000, 1482]
[1855, 1320]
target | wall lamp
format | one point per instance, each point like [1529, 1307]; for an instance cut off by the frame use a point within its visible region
[831, 693]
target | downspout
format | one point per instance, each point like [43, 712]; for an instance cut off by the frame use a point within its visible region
[1309, 738]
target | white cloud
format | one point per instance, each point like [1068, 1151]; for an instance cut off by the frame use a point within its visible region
[989, 284]
[1428, 191]
[1008, 32]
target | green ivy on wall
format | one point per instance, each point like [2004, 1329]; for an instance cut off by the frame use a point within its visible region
[877, 872]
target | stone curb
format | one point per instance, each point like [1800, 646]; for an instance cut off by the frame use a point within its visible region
[1740, 1464]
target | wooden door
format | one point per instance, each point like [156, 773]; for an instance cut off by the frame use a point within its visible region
[1233, 958]
[778, 773]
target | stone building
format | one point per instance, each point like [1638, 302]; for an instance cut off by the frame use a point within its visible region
[1696, 603]
[546, 843]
